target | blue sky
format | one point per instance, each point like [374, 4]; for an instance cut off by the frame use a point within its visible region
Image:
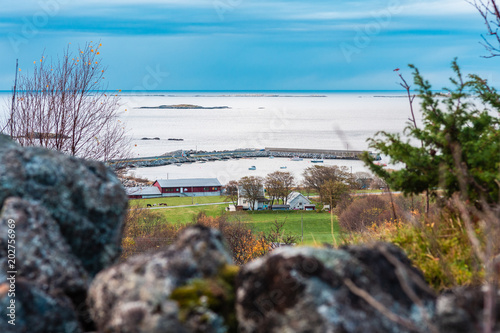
[251, 44]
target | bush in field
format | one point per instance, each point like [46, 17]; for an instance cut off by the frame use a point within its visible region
[243, 243]
[364, 212]
[146, 230]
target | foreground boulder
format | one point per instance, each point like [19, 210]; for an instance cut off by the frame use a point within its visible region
[461, 310]
[326, 290]
[42, 255]
[83, 197]
[187, 288]
[65, 220]
[36, 311]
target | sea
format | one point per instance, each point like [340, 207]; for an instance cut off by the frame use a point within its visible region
[256, 120]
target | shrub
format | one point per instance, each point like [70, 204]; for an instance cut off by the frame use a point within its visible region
[243, 243]
[364, 212]
[146, 230]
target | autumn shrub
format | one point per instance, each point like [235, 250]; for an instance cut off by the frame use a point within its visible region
[364, 212]
[146, 230]
[244, 244]
[437, 244]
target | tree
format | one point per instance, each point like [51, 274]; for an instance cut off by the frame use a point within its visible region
[460, 131]
[490, 12]
[317, 175]
[64, 106]
[279, 184]
[231, 190]
[252, 189]
[332, 192]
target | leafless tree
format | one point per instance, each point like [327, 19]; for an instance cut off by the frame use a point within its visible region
[252, 189]
[231, 191]
[64, 106]
[279, 184]
[490, 12]
[317, 175]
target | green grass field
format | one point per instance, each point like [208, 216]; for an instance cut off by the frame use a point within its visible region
[317, 227]
[178, 201]
[185, 214]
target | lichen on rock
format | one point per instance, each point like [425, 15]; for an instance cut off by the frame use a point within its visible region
[180, 289]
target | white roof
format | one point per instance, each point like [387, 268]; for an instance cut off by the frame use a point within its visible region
[143, 190]
[189, 182]
[293, 195]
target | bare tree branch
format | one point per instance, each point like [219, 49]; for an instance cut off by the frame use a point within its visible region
[64, 106]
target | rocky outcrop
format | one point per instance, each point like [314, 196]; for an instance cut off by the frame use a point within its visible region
[187, 288]
[42, 254]
[461, 310]
[84, 198]
[37, 311]
[60, 224]
[327, 290]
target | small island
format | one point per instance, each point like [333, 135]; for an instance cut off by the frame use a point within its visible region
[185, 107]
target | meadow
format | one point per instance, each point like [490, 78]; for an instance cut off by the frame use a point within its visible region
[316, 226]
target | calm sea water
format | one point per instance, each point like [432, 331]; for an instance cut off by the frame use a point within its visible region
[285, 120]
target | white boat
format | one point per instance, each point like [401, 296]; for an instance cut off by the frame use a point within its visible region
[296, 158]
[252, 168]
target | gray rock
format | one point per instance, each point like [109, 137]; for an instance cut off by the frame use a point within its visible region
[36, 311]
[42, 255]
[317, 290]
[186, 288]
[84, 198]
[461, 310]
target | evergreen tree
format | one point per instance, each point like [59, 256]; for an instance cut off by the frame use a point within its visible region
[457, 148]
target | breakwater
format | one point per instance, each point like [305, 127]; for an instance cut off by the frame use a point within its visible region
[190, 156]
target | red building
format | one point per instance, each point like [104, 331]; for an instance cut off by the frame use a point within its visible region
[193, 187]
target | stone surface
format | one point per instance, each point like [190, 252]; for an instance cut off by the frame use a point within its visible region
[461, 311]
[42, 255]
[84, 198]
[183, 289]
[36, 311]
[305, 290]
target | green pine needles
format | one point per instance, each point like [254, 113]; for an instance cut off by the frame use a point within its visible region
[456, 149]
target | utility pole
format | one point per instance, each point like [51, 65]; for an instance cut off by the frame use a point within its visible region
[302, 226]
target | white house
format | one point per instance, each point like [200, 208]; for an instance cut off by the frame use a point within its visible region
[297, 201]
[260, 204]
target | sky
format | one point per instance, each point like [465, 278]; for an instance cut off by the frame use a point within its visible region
[251, 45]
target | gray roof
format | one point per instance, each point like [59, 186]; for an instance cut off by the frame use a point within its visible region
[143, 190]
[195, 182]
[293, 195]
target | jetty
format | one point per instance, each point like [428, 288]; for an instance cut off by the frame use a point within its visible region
[180, 157]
